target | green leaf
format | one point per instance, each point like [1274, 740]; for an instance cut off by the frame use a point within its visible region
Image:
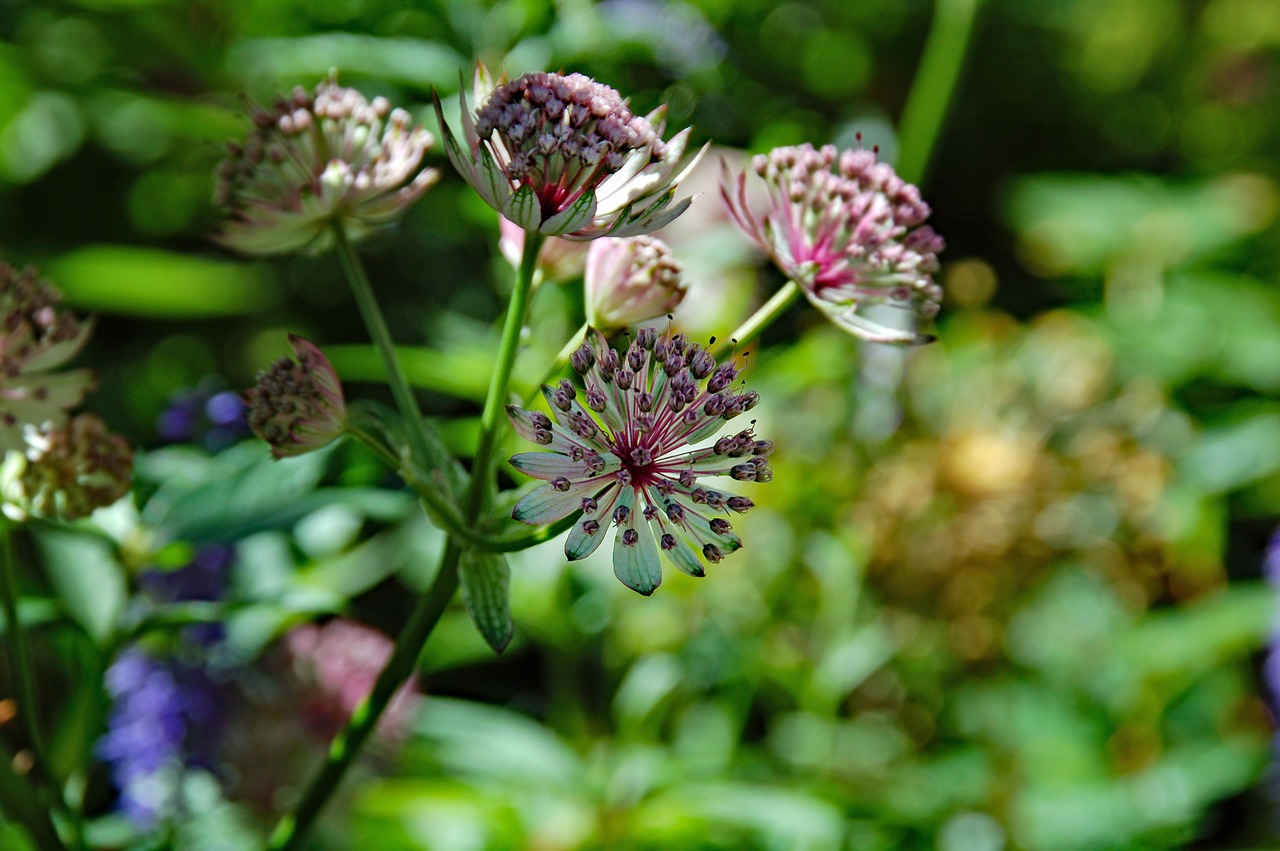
[485, 579]
[141, 282]
[89, 582]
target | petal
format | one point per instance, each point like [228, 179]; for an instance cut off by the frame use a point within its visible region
[680, 553]
[848, 320]
[581, 542]
[653, 219]
[546, 504]
[549, 465]
[491, 181]
[636, 564]
[461, 160]
[577, 216]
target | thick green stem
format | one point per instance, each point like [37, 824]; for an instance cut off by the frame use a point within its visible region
[346, 746]
[934, 84]
[760, 320]
[381, 337]
[495, 402]
[25, 686]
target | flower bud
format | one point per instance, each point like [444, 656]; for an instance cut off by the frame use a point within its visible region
[297, 407]
[630, 280]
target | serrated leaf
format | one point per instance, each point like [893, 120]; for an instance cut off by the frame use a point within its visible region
[485, 579]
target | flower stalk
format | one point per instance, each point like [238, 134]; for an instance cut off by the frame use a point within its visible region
[347, 744]
[362, 290]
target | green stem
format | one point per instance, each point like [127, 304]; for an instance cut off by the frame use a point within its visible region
[760, 320]
[445, 511]
[24, 683]
[934, 85]
[20, 805]
[346, 746]
[381, 336]
[495, 402]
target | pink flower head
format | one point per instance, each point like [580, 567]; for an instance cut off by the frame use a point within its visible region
[630, 280]
[316, 160]
[297, 407]
[627, 457]
[563, 155]
[848, 231]
[334, 668]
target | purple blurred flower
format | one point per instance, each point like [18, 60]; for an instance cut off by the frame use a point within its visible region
[164, 721]
[204, 414]
[334, 667]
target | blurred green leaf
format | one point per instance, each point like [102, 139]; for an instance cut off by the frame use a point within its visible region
[420, 63]
[159, 284]
[1083, 224]
[89, 582]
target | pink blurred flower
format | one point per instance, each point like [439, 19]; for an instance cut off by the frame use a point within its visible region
[847, 230]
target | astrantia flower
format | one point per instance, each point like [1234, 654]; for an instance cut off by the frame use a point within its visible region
[67, 471]
[627, 457]
[848, 231]
[297, 407]
[563, 155]
[316, 160]
[630, 280]
[36, 337]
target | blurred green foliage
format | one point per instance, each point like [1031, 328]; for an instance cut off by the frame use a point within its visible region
[1003, 590]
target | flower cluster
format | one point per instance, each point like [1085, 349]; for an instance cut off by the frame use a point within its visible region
[848, 231]
[563, 155]
[630, 280]
[297, 407]
[165, 717]
[66, 471]
[334, 667]
[629, 457]
[36, 336]
[53, 466]
[318, 160]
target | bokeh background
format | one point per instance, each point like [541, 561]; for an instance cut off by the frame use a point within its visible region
[1006, 591]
